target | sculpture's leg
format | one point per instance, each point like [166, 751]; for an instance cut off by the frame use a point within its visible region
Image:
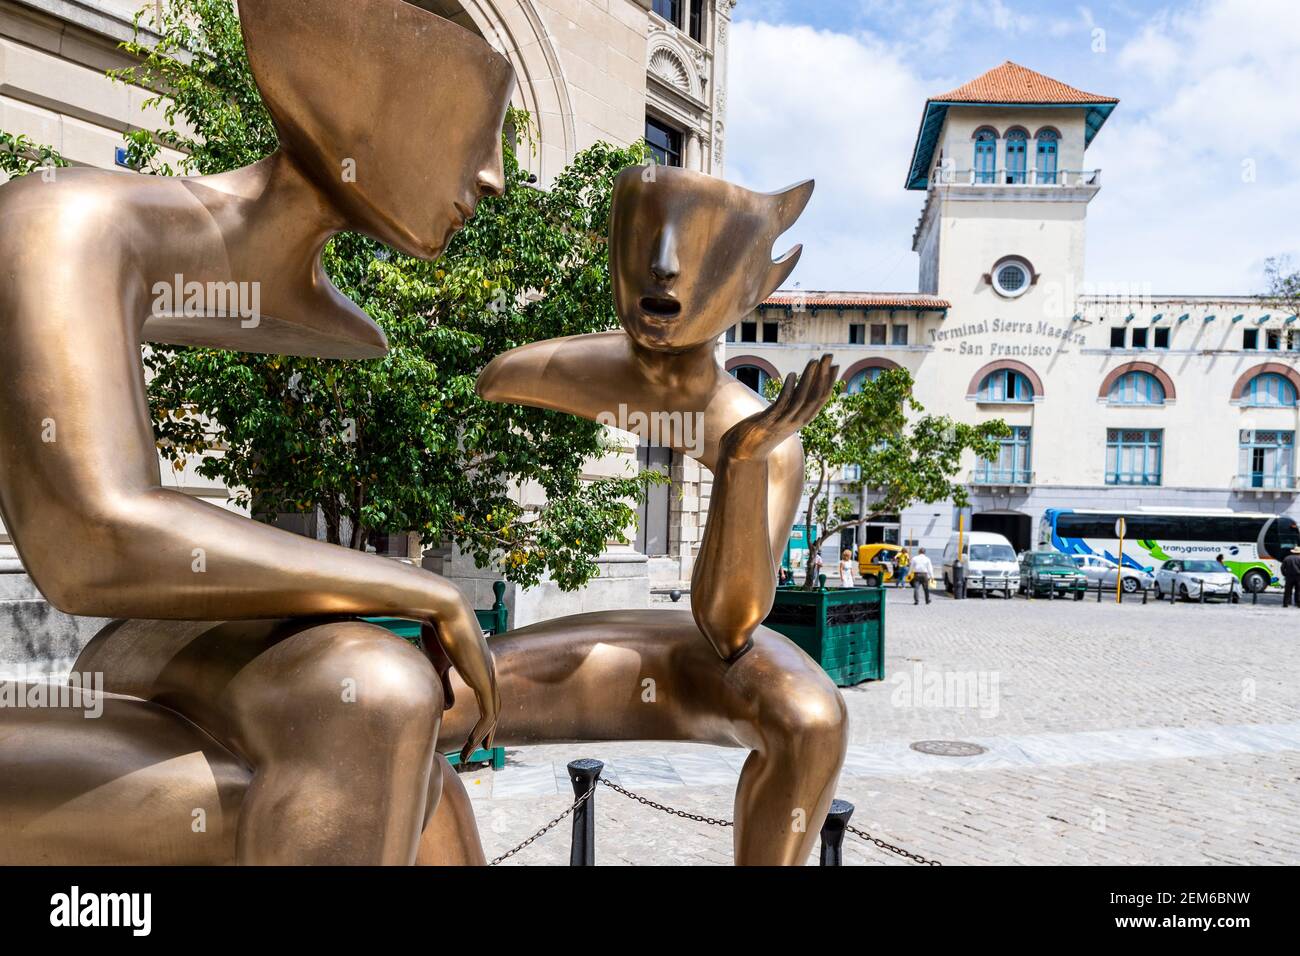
[337, 721]
[650, 675]
[451, 835]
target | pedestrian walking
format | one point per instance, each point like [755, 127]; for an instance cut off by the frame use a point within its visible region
[886, 563]
[922, 568]
[1291, 578]
[904, 560]
[846, 569]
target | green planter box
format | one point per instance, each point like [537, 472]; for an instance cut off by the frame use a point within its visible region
[843, 629]
[494, 621]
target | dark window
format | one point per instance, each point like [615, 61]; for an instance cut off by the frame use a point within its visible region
[770, 331]
[749, 331]
[653, 513]
[900, 335]
[1139, 338]
[670, 10]
[878, 335]
[1250, 338]
[1162, 338]
[665, 143]
[731, 334]
[1117, 337]
[1158, 528]
[1273, 340]
[857, 333]
[697, 21]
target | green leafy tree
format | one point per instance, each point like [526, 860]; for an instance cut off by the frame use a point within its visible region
[905, 457]
[398, 444]
[19, 156]
[1283, 284]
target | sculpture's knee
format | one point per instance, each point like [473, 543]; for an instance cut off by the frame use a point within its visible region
[812, 719]
[345, 688]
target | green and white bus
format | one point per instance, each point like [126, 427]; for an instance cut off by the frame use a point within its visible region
[1252, 545]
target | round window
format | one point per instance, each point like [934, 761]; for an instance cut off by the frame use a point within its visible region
[1011, 278]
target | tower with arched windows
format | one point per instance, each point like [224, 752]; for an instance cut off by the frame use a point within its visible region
[1115, 397]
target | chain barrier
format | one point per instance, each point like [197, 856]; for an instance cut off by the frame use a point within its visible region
[685, 815]
[544, 830]
[711, 821]
[915, 857]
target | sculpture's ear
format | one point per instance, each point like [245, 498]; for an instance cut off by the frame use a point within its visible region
[790, 203]
[781, 270]
[788, 206]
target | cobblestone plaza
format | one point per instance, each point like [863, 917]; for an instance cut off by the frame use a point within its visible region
[1157, 734]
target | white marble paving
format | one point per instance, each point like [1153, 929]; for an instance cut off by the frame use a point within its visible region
[720, 766]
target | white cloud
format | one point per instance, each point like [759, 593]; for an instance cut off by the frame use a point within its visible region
[1205, 88]
[1216, 102]
[840, 109]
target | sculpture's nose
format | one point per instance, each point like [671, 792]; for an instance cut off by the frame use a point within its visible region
[664, 265]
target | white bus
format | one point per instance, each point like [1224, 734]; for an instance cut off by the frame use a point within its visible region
[1252, 545]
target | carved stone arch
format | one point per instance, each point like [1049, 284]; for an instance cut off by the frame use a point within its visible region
[515, 29]
[676, 65]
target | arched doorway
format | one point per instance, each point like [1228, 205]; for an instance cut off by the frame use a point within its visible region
[515, 29]
[1015, 527]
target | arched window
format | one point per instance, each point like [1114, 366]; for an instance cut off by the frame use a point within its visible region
[1137, 388]
[1017, 142]
[1047, 148]
[1269, 390]
[986, 155]
[753, 376]
[866, 375]
[1005, 385]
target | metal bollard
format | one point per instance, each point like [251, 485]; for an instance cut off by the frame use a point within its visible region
[1254, 598]
[1201, 583]
[1144, 595]
[984, 587]
[837, 820]
[1099, 589]
[583, 774]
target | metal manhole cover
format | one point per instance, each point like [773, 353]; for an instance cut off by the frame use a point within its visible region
[948, 748]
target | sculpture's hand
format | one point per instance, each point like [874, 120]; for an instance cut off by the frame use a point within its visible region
[451, 645]
[797, 405]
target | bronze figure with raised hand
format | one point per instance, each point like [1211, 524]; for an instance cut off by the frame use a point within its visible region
[332, 721]
[690, 255]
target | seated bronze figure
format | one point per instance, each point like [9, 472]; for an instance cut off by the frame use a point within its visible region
[318, 773]
[689, 255]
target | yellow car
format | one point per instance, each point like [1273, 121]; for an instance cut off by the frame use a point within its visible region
[869, 562]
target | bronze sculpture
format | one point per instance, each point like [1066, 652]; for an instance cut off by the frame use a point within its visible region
[363, 149]
[689, 256]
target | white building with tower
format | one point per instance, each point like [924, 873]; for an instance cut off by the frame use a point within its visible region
[1120, 398]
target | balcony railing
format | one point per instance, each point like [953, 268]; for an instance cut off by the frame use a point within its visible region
[1265, 481]
[1007, 177]
[1001, 477]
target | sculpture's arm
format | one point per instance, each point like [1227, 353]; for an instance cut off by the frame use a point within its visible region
[734, 580]
[173, 557]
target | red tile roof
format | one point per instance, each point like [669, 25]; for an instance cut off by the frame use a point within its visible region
[859, 300]
[1013, 83]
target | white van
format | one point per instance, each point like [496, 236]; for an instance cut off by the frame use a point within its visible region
[989, 559]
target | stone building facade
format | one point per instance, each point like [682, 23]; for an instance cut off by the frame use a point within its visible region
[1120, 398]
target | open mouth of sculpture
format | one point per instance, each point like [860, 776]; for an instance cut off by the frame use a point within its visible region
[661, 308]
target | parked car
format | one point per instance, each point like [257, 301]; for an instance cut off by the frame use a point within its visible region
[869, 566]
[1050, 572]
[1187, 578]
[1100, 571]
[989, 560]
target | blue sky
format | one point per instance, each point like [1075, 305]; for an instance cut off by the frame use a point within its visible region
[1201, 160]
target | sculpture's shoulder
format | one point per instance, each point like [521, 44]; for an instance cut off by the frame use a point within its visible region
[67, 204]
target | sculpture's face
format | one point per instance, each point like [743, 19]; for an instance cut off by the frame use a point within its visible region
[690, 254]
[393, 112]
